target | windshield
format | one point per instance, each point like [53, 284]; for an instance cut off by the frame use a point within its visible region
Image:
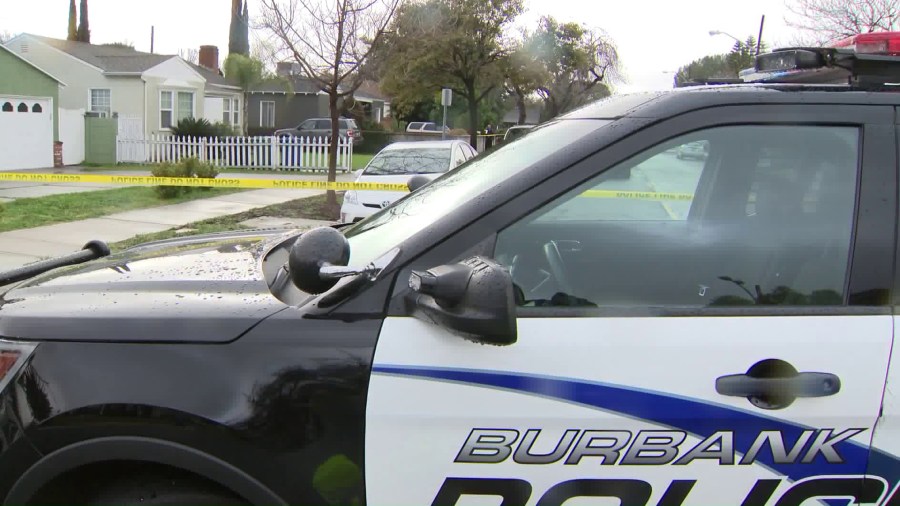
[386, 229]
[394, 162]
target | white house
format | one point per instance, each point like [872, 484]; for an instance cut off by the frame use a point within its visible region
[148, 92]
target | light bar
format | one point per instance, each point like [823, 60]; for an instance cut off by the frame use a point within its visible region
[789, 59]
[886, 43]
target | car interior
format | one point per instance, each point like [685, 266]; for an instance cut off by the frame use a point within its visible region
[765, 218]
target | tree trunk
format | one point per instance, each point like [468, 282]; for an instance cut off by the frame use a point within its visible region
[331, 200]
[523, 109]
[473, 115]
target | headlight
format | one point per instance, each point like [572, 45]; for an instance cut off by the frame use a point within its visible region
[351, 197]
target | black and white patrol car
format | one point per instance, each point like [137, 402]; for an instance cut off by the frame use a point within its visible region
[582, 315]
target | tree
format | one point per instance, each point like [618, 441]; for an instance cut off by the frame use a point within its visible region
[457, 44]
[84, 28]
[247, 73]
[743, 55]
[707, 68]
[73, 29]
[524, 75]
[239, 36]
[5, 36]
[578, 62]
[189, 54]
[330, 40]
[822, 21]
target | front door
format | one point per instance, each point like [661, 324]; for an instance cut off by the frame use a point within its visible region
[688, 334]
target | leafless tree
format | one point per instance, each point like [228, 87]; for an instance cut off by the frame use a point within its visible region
[330, 40]
[822, 21]
[190, 54]
[5, 36]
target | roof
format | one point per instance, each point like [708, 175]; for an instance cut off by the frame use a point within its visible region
[301, 85]
[214, 78]
[109, 59]
[669, 103]
[32, 65]
[370, 90]
[423, 145]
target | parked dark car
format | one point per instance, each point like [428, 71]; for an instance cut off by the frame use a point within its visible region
[321, 127]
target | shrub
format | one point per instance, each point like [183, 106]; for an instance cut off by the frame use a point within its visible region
[194, 127]
[189, 168]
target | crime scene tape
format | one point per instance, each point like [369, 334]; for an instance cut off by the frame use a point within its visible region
[284, 184]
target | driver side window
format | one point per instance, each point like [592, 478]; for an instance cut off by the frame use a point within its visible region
[729, 216]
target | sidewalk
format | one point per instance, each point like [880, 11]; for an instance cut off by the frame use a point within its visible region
[19, 247]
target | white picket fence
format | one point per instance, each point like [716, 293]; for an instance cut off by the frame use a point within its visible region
[279, 153]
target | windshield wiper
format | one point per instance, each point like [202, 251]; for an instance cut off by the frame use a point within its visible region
[91, 251]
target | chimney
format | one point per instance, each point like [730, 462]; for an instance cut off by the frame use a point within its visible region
[209, 57]
[284, 68]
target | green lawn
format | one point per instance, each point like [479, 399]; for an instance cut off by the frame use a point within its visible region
[35, 212]
[314, 208]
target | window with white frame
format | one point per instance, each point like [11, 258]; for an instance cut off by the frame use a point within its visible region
[267, 114]
[174, 107]
[101, 101]
[231, 112]
[166, 109]
[185, 105]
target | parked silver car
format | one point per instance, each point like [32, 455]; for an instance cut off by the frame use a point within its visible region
[321, 127]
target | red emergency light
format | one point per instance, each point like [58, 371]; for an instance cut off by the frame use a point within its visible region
[885, 43]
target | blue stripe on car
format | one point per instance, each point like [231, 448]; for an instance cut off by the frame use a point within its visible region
[700, 418]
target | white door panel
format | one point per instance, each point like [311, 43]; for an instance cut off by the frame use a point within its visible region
[430, 390]
[26, 138]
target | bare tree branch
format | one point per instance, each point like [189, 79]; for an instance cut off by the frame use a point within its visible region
[330, 40]
[822, 21]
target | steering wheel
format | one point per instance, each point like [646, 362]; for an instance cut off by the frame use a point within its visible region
[557, 267]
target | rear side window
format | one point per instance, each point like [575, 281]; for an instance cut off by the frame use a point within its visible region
[415, 126]
[731, 216]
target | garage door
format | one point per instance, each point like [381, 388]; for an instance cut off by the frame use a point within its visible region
[26, 133]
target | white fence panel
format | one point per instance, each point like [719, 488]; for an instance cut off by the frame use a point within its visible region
[281, 153]
[71, 134]
[132, 147]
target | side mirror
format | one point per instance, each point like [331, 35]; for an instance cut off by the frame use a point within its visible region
[473, 299]
[318, 260]
[314, 251]
[417, 182]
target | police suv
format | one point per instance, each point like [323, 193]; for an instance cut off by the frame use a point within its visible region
[580, 317]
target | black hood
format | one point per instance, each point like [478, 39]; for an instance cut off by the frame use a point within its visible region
[199, 289]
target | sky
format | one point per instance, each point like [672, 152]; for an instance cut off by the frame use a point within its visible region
[654, 37]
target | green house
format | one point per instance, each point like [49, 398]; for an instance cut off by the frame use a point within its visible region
[29, 114]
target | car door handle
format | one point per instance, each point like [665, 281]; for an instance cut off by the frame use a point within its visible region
[804, 384]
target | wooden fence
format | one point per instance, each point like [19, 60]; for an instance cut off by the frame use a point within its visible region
[279, 153]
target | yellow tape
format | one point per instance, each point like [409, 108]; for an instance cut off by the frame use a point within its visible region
[283, 184]
[219, 182]
[630, 195]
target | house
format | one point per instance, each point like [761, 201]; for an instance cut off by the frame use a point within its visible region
[291, 98]
[29, 113]
[149, 93]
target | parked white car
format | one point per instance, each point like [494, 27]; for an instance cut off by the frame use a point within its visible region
[397, 163]
[425, 127]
